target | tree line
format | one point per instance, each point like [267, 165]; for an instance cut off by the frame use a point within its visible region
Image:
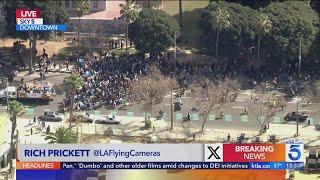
[272, 33]
[266, 31]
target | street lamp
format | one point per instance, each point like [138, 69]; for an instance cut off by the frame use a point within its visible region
[175, 57]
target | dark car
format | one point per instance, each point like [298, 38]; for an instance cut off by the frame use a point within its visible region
[50, 116]
[293, 116]
[81, 118]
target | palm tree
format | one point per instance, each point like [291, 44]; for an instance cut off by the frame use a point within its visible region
[222, 20]
[130, 13]
[83, 8]
[73, 84]
[180, 14]
[15, 108]
[62, 136]
[265, 26]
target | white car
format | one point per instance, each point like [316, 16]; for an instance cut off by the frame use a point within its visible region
[104, 119]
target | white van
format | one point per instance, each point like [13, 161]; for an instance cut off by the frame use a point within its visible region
[10, 91]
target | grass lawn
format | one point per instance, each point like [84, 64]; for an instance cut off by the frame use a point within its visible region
[172, 7]
[118, 52]
[190, 32]
[67, 51]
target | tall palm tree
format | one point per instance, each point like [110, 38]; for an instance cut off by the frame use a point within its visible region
[62, 136]
[222, 21]
[180, 14]
[129, 11]
[73, 84]
[15, 108]
[265, 26]
[83, 8]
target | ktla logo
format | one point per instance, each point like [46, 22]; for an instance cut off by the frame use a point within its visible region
[213, 152]
[294, 153]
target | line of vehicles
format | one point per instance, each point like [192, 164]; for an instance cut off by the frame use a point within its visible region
[52, 116]
[111, 119]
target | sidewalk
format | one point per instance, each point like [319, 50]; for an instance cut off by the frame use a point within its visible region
[134, 126]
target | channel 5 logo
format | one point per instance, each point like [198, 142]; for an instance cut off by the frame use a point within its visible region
[294, 153]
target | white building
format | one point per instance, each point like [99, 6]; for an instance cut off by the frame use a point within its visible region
[5, 133]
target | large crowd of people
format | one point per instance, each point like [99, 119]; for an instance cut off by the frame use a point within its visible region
[107, 79]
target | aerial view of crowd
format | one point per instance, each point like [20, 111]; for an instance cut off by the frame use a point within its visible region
[107, 79]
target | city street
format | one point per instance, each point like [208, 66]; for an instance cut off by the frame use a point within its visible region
[235, 109]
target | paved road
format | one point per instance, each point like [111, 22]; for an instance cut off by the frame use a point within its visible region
[234, 109]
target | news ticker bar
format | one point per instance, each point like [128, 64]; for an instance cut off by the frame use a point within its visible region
[161, 152]
[161, 165]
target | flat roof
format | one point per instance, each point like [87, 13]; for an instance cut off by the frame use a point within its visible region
[112, 12]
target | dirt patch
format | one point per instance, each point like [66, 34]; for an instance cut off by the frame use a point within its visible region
[50, 46]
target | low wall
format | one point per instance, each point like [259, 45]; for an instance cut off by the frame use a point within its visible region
[99, 26]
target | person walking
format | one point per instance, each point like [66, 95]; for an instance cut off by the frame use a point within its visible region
[48, 129]
[189, 116]
[245, 111]
[43, 125]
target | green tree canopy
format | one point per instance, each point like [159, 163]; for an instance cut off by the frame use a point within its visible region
[74, 83]
[254, 4]
[291, 21]
[15, 107]
[238, 36]
[153, 31]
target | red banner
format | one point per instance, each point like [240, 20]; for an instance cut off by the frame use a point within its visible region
[28, 13]
[254, 152]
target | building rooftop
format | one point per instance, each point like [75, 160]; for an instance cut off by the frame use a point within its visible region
[112, 12]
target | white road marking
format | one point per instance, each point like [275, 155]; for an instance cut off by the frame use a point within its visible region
[241, 100]
[237, 107]
[295, 102]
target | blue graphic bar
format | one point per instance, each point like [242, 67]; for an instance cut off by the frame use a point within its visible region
[154, 165]
[277, 165]
[183, 165]
[42, 27]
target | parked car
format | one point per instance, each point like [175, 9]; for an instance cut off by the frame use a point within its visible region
[293, 116]
[81, 118]
[106, 119]
[50, 116]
